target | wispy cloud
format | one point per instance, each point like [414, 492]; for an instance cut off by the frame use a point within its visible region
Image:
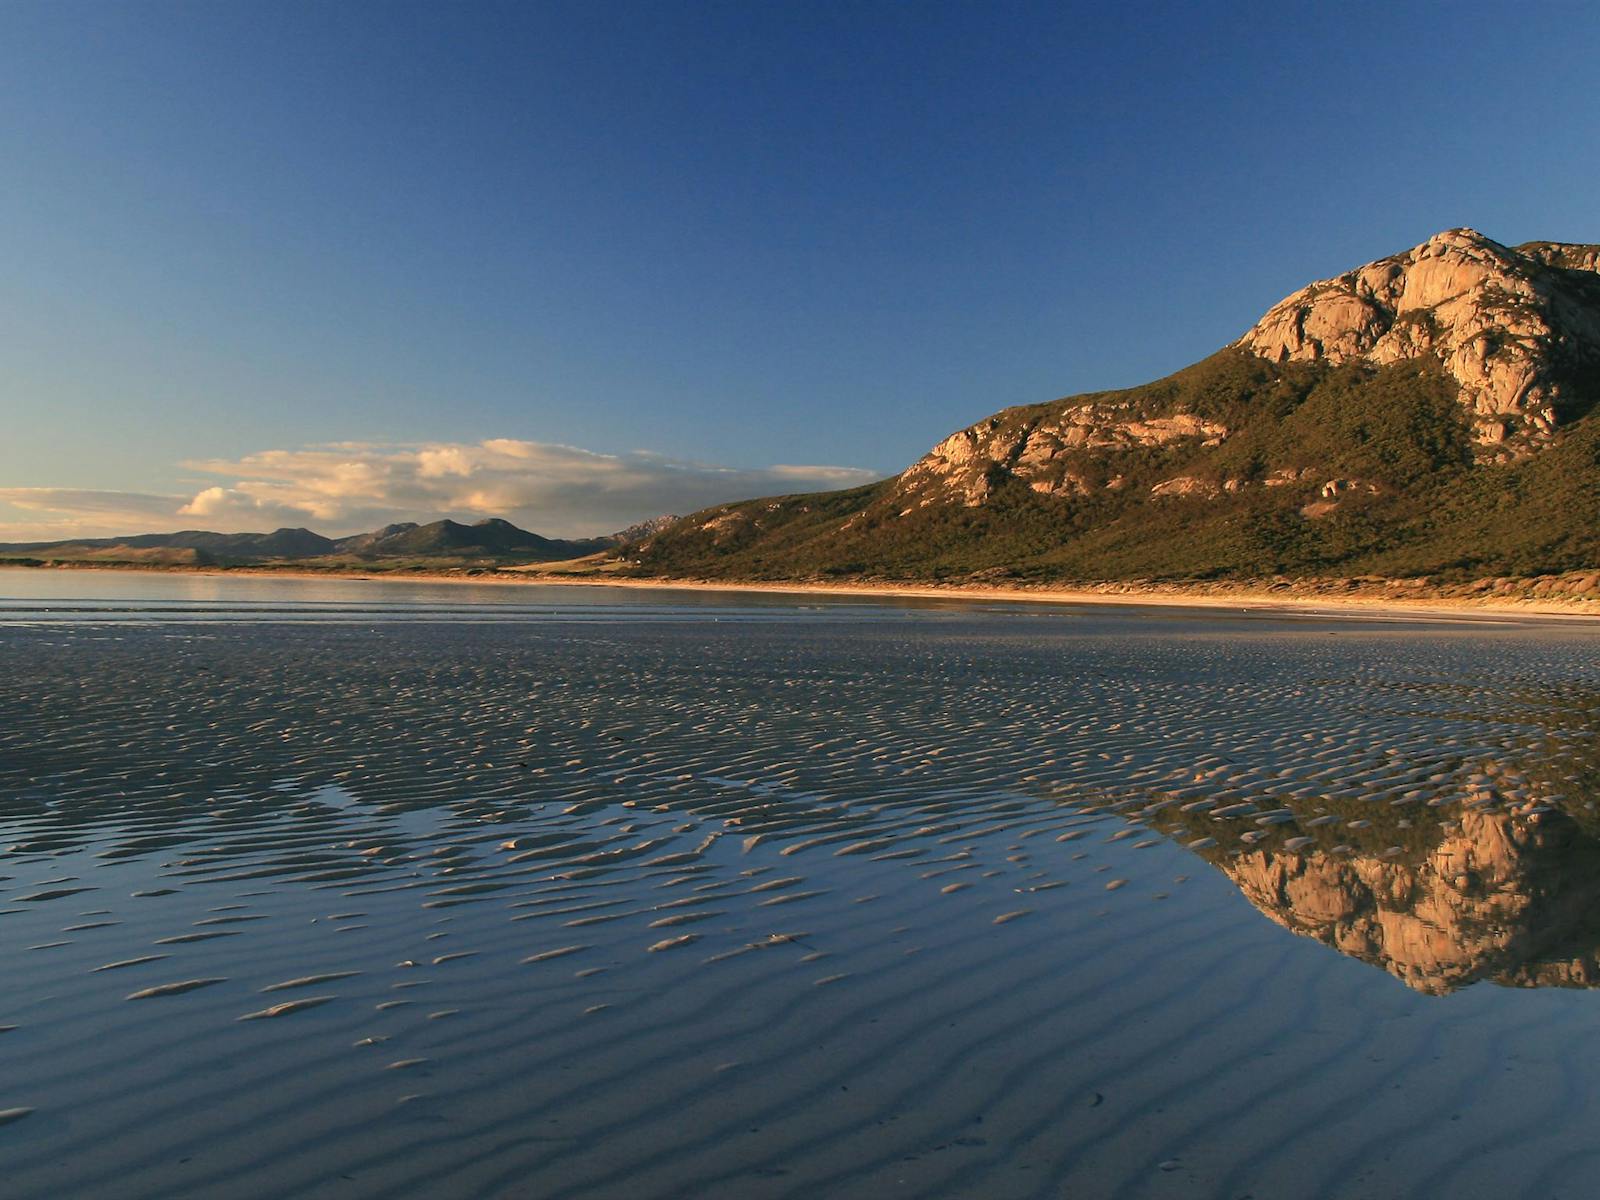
[59, 513]
[351, 486]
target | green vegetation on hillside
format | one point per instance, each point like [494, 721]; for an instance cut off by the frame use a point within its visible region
[1406, 497]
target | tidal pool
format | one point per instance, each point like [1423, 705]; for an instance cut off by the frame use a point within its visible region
[463, 892]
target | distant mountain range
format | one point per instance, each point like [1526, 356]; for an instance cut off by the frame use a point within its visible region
[1433, 413]
[492, 541]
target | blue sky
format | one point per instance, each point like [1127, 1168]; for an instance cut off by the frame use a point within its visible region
[333, 264]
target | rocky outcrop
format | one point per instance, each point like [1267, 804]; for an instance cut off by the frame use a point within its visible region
[1566, 255]
[1187, 485]
[725, 523]
[1517, 330]
[644, 530]
[1512, 327]
[1038, 449]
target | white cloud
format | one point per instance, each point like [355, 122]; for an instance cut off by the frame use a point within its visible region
[59, 514]
[85, 501]
[347, 487]
[443, 460]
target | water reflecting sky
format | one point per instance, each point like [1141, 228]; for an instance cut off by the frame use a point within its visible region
[622, 896]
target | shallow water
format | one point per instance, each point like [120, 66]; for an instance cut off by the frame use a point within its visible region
[342, 889]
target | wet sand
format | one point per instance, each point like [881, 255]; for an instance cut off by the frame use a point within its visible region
[785, 902]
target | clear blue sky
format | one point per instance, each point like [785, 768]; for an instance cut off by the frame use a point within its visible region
[732, 235]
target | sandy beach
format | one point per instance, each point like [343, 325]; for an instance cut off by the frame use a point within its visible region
[1330, 596]
[1176, 596]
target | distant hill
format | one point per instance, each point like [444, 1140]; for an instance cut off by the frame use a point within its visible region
[203, 546]
[1430, 413]
[360, 542]
[492, 540]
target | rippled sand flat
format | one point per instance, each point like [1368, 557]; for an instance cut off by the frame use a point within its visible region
[783, 901]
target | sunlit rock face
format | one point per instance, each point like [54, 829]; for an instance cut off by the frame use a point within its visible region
[1500, 897]
[1512, 327]
[1032, 449]
[1517, 330]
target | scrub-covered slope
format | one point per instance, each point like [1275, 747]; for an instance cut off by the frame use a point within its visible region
[1428, 413]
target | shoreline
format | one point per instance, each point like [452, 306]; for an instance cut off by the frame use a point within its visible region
[1376, 600]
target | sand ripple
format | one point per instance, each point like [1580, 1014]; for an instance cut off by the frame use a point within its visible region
[909, 908]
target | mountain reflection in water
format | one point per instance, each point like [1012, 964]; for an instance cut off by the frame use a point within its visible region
[1500, 883]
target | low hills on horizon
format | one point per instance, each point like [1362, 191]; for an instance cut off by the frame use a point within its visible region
[491, 541]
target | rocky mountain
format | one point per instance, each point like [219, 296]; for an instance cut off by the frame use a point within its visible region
[1428, 413]
[492, 539]
[1517, 330]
